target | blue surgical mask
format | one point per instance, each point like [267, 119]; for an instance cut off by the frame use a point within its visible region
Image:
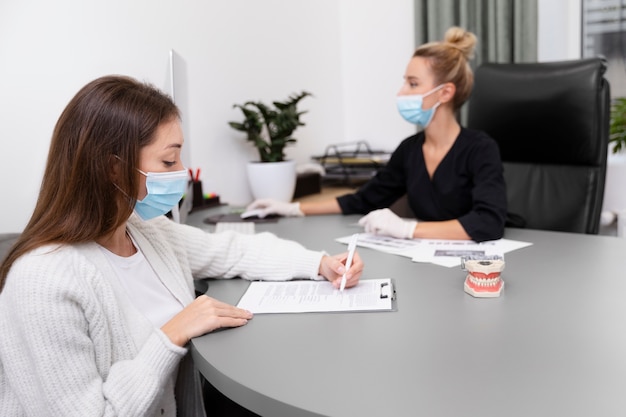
[410, 108]
[165, 189]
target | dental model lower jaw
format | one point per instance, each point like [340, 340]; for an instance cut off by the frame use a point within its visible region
[483, 278]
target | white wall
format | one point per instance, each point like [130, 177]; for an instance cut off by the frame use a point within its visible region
[351, 54]
[559, 30]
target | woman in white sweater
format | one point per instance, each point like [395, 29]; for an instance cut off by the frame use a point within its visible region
[96, 298]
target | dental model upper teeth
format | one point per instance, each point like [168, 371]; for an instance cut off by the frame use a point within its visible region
[483, 278]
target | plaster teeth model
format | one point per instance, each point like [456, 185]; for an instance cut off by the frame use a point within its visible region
[483, 278]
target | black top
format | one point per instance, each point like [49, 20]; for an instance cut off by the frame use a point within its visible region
[467, 185]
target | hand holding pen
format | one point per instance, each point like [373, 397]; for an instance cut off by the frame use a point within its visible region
[333, 268]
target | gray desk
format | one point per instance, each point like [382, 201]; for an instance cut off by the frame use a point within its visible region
[554, 343]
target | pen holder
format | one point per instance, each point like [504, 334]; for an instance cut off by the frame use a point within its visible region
[483, 278]
[198, 195]
[202, 201]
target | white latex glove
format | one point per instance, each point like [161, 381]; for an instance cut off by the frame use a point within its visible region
[386, 222]
[270, 206]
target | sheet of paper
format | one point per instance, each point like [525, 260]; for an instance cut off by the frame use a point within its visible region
[446, 253]
[383, 243]
[240, 227]
[316, 296]
[449, 252]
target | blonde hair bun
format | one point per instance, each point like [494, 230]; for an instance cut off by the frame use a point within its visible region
[462, 40]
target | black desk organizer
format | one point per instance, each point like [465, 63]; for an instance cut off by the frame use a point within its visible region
[200, 201]
[351, 163]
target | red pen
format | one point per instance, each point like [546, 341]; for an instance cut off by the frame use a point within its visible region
[190, 173]
[197, 175]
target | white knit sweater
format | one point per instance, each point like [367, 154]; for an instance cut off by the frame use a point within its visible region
[73, 344]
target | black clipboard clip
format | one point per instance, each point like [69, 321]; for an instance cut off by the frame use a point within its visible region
[387, 290]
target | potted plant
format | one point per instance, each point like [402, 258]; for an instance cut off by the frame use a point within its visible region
[270, 130]
[614, 202]
[617, 128]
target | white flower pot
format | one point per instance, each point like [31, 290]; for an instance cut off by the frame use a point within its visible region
[614, 192]
[275, 180]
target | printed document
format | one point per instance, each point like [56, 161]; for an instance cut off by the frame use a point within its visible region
[439, 252]
[317, 296]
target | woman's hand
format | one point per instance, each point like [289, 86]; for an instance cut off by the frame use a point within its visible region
[267, 206]
[202, 316]
[386, 222]
[333, 267]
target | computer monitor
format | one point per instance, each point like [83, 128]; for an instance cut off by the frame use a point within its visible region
[178, 92]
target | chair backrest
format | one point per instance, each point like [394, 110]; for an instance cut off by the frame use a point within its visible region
[551, 122]
[6, 241]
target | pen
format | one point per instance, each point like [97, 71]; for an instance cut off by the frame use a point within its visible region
[351, 249]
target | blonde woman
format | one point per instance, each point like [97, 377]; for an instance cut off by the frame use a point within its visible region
[452, 176]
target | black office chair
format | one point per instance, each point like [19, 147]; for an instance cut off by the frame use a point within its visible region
[551, 121]
[6, 242]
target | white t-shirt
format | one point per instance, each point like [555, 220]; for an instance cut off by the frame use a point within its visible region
[144, 287]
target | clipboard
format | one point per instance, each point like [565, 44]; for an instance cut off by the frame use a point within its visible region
[276, 297]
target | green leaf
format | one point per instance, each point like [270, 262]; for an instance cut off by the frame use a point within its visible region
[278, 122]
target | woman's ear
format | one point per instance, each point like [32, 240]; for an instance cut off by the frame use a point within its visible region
[447, 92]
[115, 170]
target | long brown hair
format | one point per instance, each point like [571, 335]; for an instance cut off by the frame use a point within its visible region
[111, 117]
[449, 61]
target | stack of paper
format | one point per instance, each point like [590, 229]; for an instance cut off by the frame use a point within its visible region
[440, 252]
